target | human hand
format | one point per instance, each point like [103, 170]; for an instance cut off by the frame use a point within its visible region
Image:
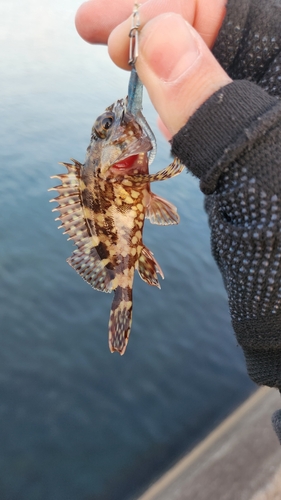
[175, 62]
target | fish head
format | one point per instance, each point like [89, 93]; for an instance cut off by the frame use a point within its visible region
[119, 144]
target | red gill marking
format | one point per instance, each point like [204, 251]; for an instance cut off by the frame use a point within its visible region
[127, 163]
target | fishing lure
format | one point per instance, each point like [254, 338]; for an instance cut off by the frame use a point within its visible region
[103, 203]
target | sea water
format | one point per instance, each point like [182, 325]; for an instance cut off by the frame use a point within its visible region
[76, 422]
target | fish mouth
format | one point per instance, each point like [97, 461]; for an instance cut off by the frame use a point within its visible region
[137, 163]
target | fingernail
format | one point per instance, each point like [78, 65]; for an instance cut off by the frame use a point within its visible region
[168, 45]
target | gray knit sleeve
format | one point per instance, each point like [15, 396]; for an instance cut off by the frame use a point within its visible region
[233, 145]
[249, 42]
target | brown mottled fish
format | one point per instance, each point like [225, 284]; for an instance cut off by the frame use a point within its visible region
[103, 204]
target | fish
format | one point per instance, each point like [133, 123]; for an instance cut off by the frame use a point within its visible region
[104, 202]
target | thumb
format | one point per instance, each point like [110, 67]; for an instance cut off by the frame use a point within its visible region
[177, 68]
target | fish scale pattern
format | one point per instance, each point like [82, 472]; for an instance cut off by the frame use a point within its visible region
[233, 145]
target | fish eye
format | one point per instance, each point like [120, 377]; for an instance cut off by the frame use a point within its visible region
[107, 122]
[102, 124]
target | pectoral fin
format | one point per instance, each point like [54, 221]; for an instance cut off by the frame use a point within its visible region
[160, 211]
[148, 268]
[175, 168]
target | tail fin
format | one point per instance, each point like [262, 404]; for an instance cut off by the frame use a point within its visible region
[120, 319]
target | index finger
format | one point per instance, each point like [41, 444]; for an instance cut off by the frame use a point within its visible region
[95, 20]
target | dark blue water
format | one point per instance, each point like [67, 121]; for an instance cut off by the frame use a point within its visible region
[77, 423]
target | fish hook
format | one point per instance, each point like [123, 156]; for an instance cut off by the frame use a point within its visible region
[134, 104]
[134, 36]
[135, 89]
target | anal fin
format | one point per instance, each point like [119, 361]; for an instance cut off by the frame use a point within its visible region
[160, 211]
[120, 319]
[148, 268]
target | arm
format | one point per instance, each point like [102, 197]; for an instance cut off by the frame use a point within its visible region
[233, 144]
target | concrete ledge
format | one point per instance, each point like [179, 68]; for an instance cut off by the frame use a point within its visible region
[272, 491]
[235, 461]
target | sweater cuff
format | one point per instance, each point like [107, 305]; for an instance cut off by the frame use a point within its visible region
[264, 366]
[229, 122]
[261, 342]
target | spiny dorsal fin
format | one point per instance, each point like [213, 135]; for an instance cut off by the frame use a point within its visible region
[160, 211]
[69, 203]
[85, 260]
[120, 319]
[148, 268]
